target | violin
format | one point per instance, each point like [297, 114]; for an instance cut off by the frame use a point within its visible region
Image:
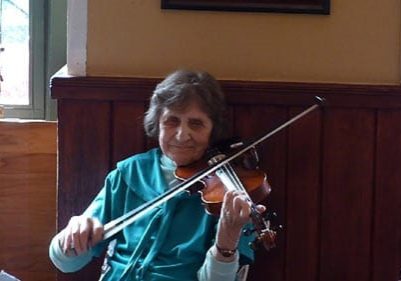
[221, 171]
[241, 175]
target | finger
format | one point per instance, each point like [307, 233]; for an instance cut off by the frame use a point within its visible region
[227, 205]
[65, 240]
[241, 204]
[228, 199]
[244, 214]
[85, 233]
[75, 233]
[227, 208]
[68, 244]
[237, 209]
[97, 233]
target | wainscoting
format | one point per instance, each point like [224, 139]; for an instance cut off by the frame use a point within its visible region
[335, 174]
[27, 198]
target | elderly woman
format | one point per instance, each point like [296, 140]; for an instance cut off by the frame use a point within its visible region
[177, 241]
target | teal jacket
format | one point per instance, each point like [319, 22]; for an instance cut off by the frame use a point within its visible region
[168, 243]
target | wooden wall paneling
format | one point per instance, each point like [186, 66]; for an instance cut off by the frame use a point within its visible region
[303, 197]
[230, 120]
[347, 194]
[27, 198]
[128, 133]
[85, 159]
[252, 121]
[386, 252]
[341, 209]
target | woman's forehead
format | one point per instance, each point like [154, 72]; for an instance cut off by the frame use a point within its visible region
[191, 111]
[190, 106]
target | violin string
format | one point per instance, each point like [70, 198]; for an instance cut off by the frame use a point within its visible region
[236, 181]
[241, 186]
[258, 220]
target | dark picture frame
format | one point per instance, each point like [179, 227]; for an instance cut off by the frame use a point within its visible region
[277, 6]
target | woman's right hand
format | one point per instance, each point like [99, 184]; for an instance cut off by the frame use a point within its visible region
[81, 234]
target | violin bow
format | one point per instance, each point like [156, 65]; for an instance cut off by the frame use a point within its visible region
[113, 227]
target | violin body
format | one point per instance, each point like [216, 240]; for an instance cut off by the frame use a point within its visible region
[212, 189]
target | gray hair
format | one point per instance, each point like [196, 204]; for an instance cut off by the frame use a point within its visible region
[180, 88]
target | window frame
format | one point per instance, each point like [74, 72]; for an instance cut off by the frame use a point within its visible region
[45, 57]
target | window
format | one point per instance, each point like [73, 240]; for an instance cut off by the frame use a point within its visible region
[14, 55]
[28, 32]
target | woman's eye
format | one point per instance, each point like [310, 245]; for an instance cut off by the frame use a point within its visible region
[171, 121]
[196, 124]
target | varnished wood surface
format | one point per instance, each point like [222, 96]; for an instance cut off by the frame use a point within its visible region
[335, 174]
[27, 198]
[387, 198]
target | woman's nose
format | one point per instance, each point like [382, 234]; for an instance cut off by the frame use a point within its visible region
[183, 133]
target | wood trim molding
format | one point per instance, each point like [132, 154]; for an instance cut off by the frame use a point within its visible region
[243, 92]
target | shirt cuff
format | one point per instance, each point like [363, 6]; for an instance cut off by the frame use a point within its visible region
[218, 270]
[66, 263]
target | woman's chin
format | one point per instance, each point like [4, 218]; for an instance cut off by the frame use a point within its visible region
[183, 157]
[183, 160]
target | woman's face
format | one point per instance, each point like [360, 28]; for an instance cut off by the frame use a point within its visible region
[184, 134]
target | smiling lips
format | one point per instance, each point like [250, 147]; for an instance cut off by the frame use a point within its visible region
[181, 147]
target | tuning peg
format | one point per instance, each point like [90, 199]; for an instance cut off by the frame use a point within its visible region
[267, 239]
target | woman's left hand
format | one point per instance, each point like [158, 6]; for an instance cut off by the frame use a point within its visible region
[235, 213]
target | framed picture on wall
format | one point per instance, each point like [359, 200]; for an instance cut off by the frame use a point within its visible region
[278, 6]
